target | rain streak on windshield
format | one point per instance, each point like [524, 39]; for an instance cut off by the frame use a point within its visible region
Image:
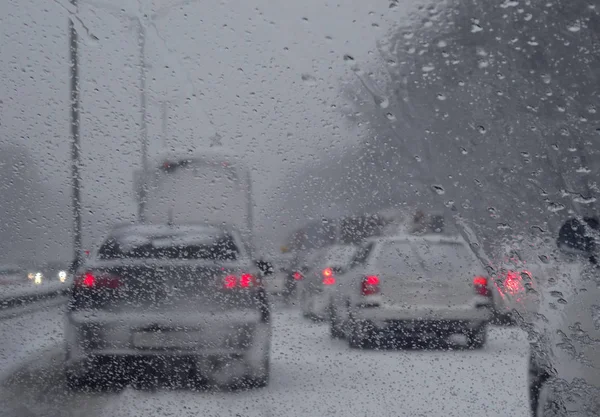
[294, 208]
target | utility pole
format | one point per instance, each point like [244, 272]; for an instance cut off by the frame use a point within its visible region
[144, 119]
[75, 154]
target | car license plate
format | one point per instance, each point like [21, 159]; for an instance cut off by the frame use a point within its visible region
[167, 339]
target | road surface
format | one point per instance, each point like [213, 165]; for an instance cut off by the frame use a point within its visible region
[312, 375]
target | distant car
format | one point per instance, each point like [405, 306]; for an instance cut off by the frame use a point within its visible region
[321, 279]
[169, 297]
[412, 290]
[300, 265]
[13, 274]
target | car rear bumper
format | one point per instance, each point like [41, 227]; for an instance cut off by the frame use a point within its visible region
[204, 339]
[383, 314]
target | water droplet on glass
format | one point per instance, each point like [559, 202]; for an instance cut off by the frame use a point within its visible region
[575, 27]
[476, 28]
[309, 79]
[561, 301]
[438, 189]
[384, 103]
[481, 129]
[428, 68]
[441, 97]
[390, 116]
[555, 207]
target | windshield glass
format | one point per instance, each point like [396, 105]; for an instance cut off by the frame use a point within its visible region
[299, 208]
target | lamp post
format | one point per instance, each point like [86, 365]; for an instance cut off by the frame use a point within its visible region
[141, 23]
[74, 128]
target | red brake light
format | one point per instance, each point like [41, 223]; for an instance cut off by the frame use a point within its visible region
[481, 286]
[370, 285]
[230, 281]
[514, 281]
[328, 272]
[329, 280]
[245, 280]
[90, 280]
[297, 276]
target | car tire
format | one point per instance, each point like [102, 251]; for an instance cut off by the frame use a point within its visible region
[476, 339]
[262, 380]
[357, 338]
[335, 330]
[77, 381]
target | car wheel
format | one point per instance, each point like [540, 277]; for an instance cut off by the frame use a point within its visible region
[359, 337]
[262, 379]
[78, 380]
[476, 339]
[335, 330]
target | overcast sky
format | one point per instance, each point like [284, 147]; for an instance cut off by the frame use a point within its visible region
[266, 75]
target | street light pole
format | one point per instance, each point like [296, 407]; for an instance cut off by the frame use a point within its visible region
[144, 119]
[74, 96]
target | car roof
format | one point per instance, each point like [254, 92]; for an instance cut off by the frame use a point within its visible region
[150, 229]
[430, 238]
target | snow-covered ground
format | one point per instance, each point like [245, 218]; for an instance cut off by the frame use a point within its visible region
[311, 376]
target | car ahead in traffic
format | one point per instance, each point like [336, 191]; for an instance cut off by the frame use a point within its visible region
[320, 280]
[300, 265]
[169, 297]
[564, 366]
[425, 290]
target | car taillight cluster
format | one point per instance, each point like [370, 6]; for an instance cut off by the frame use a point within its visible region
[328, 278]
[297, 276]
[481, 286]
[97, 280]
[245, 280]
[370, 285]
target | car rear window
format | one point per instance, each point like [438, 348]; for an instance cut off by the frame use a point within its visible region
[171, 246]
[439, 260]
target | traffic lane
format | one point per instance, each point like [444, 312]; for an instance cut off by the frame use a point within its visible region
[312, 376]
[28, 330]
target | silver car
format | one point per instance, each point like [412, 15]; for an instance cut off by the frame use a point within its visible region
[169, 297]
[318, 283]
[426, 290]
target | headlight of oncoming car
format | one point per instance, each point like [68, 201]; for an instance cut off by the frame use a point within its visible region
[37, 278]
[62, 276]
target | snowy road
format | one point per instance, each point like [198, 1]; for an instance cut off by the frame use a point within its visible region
[311, 376]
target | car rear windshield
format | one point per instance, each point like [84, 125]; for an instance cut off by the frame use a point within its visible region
[437, 260]
[221, 246]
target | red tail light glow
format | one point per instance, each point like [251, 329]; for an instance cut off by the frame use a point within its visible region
[90, 280]
[329, 280]
[245, 280]
[370, 285]
[328, 272]
[481, 286]
[513, 283]
[297, 276]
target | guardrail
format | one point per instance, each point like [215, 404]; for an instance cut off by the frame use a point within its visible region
[14, 296]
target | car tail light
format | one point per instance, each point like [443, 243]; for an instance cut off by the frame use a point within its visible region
[329, 280]
[514, 281]
[297, 276]
[97, 280]
[328, 272]
[370, 285]
[481, 286]
[245, 280]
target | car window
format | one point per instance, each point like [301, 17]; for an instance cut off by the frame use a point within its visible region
[170, 246]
